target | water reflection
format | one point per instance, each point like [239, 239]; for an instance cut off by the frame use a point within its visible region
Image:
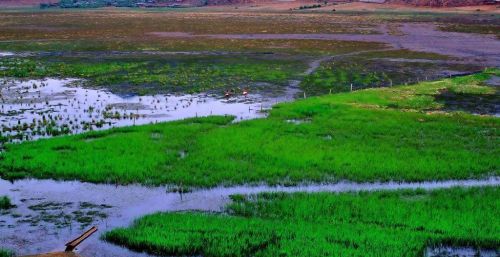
[42, 108]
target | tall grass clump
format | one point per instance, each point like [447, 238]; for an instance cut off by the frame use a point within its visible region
[5, 203]
[400, 223]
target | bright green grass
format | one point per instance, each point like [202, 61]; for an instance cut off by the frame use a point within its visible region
[167, 74]
[401, 223]
[5, 203]
[397, 133]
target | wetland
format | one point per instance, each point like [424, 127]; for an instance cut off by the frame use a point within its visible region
[226, 132]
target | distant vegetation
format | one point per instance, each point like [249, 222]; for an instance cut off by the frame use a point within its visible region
[400, 133]
[401, 223]
[310, 6]
[101, 3]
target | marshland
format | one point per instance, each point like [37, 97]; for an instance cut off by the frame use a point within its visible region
[261, 129]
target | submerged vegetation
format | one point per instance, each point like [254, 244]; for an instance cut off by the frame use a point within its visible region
[6, 253]
[149, 74]
[401, 223]
[5, 203]
[399, 133]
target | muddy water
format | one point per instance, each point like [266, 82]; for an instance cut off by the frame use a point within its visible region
[41, 108]
[48, 212]
[422, 37]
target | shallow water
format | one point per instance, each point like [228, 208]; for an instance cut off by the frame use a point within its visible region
[448, 251]
[6, 54]
[41, 108]
[50, 207]
[493, 81]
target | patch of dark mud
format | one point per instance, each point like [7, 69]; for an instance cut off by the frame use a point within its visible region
[63, 214]
[49, 206]
[484, 104]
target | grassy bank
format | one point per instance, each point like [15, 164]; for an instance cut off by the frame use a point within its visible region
[150, 74]
[401, 223]
[400, 133]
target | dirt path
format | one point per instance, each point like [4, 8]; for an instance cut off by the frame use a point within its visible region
[116, 206]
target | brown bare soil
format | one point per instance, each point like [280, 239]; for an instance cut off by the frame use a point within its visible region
[392, 7]
[230, 29]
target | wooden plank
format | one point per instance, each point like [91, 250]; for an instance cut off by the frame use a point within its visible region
[71, 245]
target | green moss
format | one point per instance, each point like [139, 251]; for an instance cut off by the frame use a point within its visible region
[398, 133]
[401, 223]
